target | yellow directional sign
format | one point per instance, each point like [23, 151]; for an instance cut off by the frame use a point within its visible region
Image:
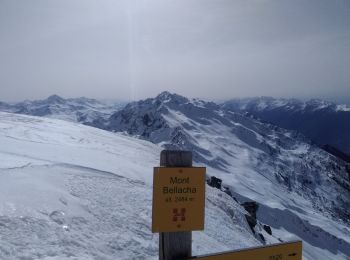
[284, 251]
[178, 199]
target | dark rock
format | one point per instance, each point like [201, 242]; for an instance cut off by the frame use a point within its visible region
[228, 192]
[251, 207]
[215, 182]
[251, 222]
[348, 171]
[336, 152]
[262, 237]
[268, 229]
[146, 120]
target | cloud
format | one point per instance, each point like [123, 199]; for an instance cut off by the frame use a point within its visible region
[205, 48]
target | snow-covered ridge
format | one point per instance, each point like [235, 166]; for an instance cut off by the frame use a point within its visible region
[82, 110]
[270, 103]
[344, 108]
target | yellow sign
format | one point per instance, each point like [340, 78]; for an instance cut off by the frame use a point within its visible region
[178, 199]
[284, 251]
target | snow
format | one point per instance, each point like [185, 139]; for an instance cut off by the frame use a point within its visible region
[270, 103]
[285, 173]
[343, 108]
[69, 191]
[83, 175]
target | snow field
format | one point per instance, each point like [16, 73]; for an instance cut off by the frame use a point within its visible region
[69, 191]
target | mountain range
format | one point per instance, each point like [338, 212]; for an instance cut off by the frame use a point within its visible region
[230, 141]
[300, 190]
[82, 110]
[323, 122]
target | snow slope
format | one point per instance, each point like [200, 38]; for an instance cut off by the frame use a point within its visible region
[303, 192]
[69, 191]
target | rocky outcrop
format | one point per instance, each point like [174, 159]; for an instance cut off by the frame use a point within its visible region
[268, 230]
[215, 182]
[251, 207]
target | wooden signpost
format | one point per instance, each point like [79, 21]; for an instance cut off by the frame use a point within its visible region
[168, 214]
[178, 208]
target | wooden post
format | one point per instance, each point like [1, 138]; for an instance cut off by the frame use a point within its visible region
[175, 245]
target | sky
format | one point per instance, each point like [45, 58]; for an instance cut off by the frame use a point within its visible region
[211, 49]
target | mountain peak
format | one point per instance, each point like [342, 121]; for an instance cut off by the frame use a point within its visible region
[166, 96]
[55, 98]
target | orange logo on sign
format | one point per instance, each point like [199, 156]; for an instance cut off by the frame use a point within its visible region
[179, 215]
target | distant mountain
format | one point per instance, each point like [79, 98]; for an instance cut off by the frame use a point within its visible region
[238, 145]
[323, 122]
[82, 110]
[297, 185]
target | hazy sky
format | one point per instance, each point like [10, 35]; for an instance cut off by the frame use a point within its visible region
[212, 49]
